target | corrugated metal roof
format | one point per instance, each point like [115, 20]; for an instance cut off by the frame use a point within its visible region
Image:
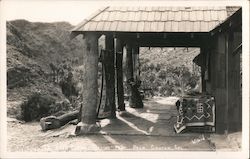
[155, 19]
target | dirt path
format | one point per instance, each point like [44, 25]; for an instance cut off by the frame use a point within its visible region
[28, 137]
[150, 128]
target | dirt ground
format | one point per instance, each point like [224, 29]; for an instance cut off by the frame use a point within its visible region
[150, 128]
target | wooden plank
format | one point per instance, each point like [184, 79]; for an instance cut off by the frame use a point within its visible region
[105, 15]
[160, 26]
[214, 15]
[192, 16]
[123, 16]
[153, 26]
[207, 15]
[147, 26]
[157, 16]
[127, 26]
[140, 27]
[164, 16]
[175, 26]
[120, 26]
[137, 16]
[106, 25]
[162, 9]
[182, 27]
[177, 16]
[151, 16]
[86, 26]
[185, 15]
[93, 26]
[197, 26]
[133, 26]
[99, 26]
[189, 26]
[222, 15]
[113, 26]
[149, 9]
[199, 15]
[116, 16]
[168, 26]
[144, 16]
[204, 26]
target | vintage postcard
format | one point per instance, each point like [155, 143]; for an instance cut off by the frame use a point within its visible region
[124, 79]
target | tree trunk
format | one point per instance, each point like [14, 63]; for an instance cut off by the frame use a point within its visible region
[119, 74]
[90, 86]
[109, 76]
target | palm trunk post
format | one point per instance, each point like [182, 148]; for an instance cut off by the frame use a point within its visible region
[90, 86]
[119, 74]
[109, 69]
[135, 100]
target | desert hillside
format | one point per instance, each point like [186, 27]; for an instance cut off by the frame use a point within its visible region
[33, 47]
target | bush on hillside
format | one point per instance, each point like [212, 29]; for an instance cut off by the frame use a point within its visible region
[39, 105]
[168, 80]
[36, 106]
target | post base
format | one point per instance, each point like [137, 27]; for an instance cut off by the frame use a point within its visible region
[83, 128]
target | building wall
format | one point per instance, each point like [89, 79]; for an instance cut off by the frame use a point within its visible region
[223, 81]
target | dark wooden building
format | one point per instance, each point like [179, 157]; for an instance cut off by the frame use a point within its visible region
[215, 30]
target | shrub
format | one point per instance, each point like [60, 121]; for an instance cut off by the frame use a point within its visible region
[36, 106]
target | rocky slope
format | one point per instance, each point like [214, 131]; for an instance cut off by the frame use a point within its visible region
[31, 47]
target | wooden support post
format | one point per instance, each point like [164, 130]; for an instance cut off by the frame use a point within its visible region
[203, 68]
[219, 80]
[135, 100]
[90, 86]
[136, 66]
[109, 69]
[129, 61]
[119, 74]
[233, 84]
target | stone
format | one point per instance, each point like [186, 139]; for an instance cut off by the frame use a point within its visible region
[83, 128]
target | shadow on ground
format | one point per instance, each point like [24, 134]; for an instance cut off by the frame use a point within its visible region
[150, 128]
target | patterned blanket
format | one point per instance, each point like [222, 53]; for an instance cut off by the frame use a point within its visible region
[195, 111]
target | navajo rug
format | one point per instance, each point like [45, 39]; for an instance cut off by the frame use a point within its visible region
[195, 111]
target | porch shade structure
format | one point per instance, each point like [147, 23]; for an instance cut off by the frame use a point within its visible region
[134, 27]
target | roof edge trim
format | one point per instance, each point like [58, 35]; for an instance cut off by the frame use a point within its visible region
[89, 18]
[233, 16]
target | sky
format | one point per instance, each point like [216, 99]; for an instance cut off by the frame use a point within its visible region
[72, 11]
[50, 11]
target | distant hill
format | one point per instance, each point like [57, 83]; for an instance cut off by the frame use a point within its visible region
[31, 47]
[169, 56]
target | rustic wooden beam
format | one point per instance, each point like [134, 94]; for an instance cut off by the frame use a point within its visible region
[170, 42]
[90, 86]
[119, 74]
[110, 75]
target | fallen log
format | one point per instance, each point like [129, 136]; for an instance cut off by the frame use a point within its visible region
[53, 122]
